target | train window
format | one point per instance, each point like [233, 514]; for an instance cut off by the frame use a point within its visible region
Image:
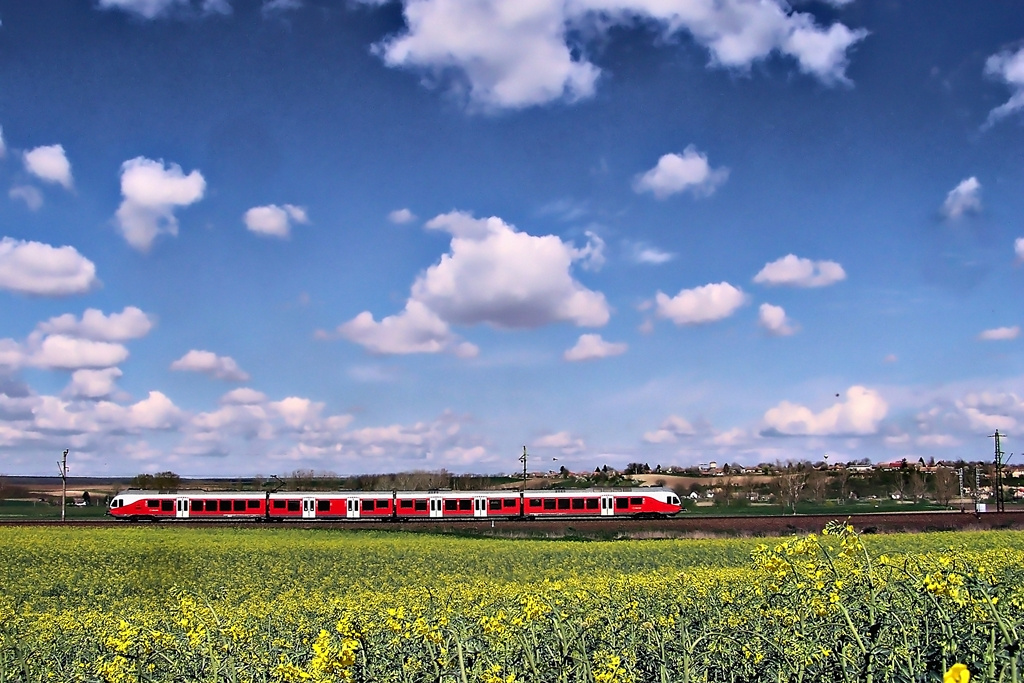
[549, 503]
[451, 505]
[511, 502]
[591, 503]
[239, 506]
[293, 505]
[636, 501]
[622, 503]
[535, 502]
[367, 505]
[278, 505]
[225, 506]
[254, 504]
[563, 503]
[383, 504]
[421, 505]
[152, 503]
[494, 503]
[577, 503]
[466, 504]
[197, 506]
[323, 506]
[405, 504]
[166, 505]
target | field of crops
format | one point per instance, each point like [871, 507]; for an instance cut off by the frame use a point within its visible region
[167, 604]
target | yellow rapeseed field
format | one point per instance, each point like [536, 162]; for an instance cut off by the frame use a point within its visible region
[180, 604]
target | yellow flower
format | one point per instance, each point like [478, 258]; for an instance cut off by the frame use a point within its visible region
[957, 673]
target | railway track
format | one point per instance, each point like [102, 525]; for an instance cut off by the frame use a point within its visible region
[680, 526]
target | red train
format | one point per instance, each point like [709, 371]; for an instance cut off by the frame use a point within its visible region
[135, 504]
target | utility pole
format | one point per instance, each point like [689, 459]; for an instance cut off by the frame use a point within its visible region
[960, 476]
[522, 459]
[1000, 502]
[63, 465]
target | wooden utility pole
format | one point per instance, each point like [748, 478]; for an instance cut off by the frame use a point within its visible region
[63, 465]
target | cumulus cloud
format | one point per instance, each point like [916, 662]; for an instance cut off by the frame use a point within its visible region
[93, 383]
[647, 255]
[592, 346]
[152, 9]
[774, 320]
[131, 323]
[59, 351]
[705, 304]
[793, 271]
[962, 199]
[504, 55]
[152, 191]
[32, 197]
[1018, 248]
[43, 270]
[492, 274]
[401, 216]
[243, 395]
[675, 173]
[565, 442]
[670, 430]
[273, 220]
[207, 362]
[859, 414]
[1000, 333]
[3, 144]
[50, 164]
[1007, 67]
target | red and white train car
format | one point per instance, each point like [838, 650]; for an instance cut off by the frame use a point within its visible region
[397, 505]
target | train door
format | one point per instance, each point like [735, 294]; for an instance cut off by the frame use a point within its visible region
[607, 505]
[309, 508]
[436, 506]
[181, 510]
[480, 507]
[352, 508]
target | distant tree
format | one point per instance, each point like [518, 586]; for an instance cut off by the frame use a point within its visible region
[946, 485]
[916, 486]
[86, 498]
[817, 485]
[790, 484]
[563, 472]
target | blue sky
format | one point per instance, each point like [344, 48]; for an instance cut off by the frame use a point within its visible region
[246, 237]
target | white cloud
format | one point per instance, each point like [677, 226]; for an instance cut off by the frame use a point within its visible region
[1018, 248]
[671, 429]
[674, 173]
[93, 383]
[207, 362]
[49, 163]
[276, 6]
[794, 271]
[152, 191]
[563, 441]
[592, 346]
[416, 329]
[58, 351]
[860, 413]
[510, 55]
[647, 255]
[3, 144]
[964, 198]
[774, 320]
[1000, 333]
[32, 197]
[493, 274]
[242, 396]
[401, 216]
[131, 323]
[273, 220]
[701, 304]
[1007, 67]
[37, 268]
[152, 9]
